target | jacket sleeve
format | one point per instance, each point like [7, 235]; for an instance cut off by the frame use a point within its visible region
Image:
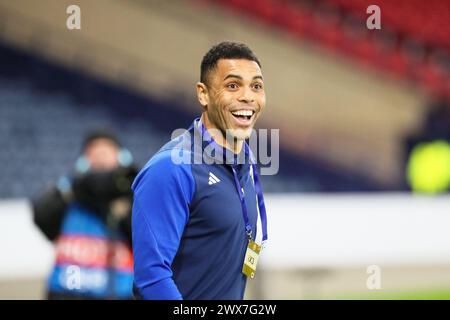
[48, 212]
[163, 191]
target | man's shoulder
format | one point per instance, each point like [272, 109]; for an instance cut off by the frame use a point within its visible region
[172, 159]
[175, 152]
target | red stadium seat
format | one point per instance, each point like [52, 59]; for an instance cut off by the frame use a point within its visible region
[339, 25]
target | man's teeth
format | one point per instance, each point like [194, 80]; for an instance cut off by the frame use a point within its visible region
[245, 113]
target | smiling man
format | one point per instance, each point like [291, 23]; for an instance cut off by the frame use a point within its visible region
[194, 222]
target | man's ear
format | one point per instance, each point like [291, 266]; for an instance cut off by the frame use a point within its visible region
[202, 94]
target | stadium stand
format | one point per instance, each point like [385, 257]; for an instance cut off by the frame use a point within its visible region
[46, 109]
[412, 44]
[319, 117]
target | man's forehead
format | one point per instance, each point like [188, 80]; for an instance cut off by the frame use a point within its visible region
[239, 67]
[101, 142]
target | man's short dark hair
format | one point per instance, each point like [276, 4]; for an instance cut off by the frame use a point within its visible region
[225, 50]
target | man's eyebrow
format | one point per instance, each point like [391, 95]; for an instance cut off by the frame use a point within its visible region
[239, 77]
[232, 76]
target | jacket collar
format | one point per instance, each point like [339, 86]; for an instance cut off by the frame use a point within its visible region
[214, 152]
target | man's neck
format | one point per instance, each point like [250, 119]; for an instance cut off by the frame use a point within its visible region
[218, 136]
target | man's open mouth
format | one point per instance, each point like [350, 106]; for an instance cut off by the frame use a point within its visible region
[243, 114]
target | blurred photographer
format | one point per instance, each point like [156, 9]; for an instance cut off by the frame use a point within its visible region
[88, 216]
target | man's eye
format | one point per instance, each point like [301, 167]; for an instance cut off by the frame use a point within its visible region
[257, 86]
[232, 86]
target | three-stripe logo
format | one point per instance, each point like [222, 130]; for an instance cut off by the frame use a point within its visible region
[212, 179]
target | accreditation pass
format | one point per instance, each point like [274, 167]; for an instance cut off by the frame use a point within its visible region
[251, 259]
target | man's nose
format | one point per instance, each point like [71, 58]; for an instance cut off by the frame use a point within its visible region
[247, 96]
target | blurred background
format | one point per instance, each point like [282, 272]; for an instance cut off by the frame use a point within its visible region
[364, 122]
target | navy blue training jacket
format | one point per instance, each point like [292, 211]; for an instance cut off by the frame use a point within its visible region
[188, 230]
